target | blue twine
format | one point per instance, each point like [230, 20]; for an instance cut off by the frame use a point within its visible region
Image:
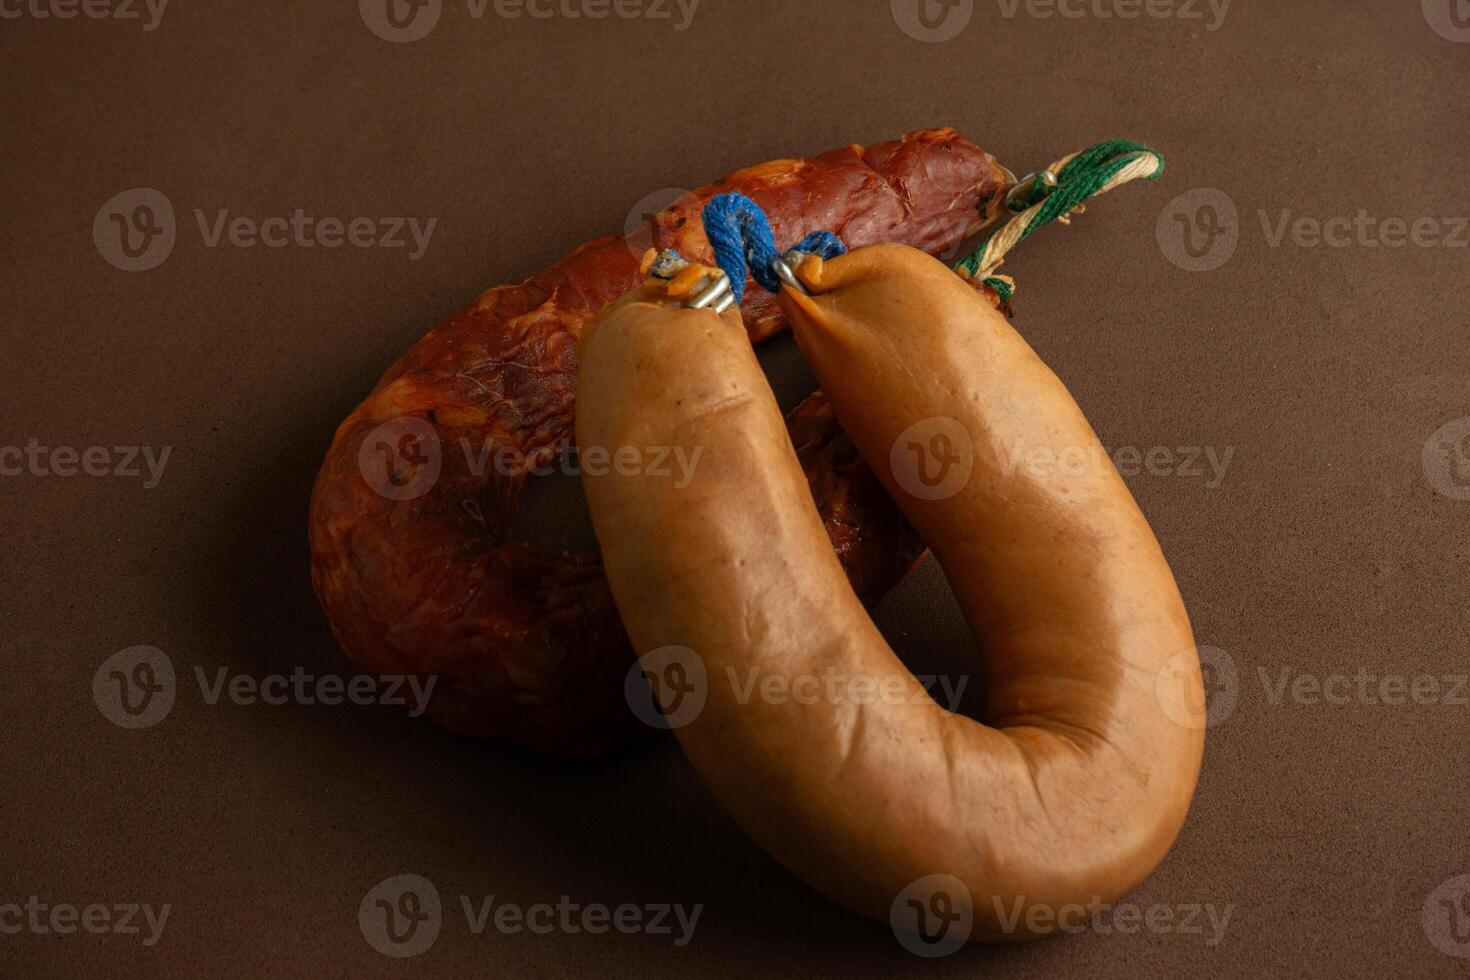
[744, 244]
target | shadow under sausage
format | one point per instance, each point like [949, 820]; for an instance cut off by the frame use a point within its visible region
[397, 794]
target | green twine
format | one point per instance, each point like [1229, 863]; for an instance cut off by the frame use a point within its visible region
[1086, 174]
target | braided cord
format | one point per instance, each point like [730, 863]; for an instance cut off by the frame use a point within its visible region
[1080, 176]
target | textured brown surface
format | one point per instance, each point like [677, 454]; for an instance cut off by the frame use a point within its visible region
[1325, 550]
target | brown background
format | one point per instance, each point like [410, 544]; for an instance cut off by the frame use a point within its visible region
[1325, 370]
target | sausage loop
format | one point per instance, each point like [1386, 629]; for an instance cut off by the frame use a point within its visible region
[1054, 194]
[745, 247]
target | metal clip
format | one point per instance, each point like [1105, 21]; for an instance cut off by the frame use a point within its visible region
[714, 289]
[718, 295]
[782, 268]
[1027, 182]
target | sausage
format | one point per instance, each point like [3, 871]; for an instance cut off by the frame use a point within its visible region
[1077, 781]
[414, 553]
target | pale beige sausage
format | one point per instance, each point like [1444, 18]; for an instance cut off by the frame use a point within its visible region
[1079, 782]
